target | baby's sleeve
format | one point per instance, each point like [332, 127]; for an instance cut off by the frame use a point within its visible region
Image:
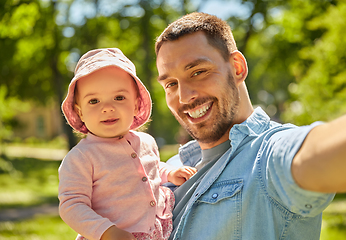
[75, 192]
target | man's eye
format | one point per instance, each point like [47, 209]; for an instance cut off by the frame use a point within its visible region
[169, 85]
[119, 98]
[93, 101]
[197, 73]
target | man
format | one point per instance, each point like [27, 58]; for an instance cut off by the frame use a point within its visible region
[256, 179]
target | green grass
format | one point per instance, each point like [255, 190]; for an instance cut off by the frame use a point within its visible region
[333, 227]
[57, 143]
[53, 228]
[38, 228]
[31, 182]
[334, 219]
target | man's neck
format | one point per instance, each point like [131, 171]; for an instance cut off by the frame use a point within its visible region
[223, 139]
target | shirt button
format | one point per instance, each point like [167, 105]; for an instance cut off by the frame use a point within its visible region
[152, 203]
[133, 155]
[309, 206]
[144, 179]
[215, 195]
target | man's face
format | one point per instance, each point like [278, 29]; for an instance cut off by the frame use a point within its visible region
[200, 90]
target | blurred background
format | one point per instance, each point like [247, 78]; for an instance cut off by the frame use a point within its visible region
[295, 50]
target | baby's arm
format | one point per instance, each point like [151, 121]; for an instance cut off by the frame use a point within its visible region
[75, 193]
[169, 173]
[181, 175]
[114, 233]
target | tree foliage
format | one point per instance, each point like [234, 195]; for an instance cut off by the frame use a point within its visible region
[294, 50]
[320, 71]
[45, 39]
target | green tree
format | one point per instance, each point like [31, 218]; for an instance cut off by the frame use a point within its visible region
[30, 42]
[271, 39]
[286, 43]
[320, 71]
[43, 40]
[132, 28]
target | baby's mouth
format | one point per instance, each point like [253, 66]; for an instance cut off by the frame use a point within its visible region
[111, 120]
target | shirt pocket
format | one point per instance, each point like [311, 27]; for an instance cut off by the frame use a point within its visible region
[217, 214]
[221, 191]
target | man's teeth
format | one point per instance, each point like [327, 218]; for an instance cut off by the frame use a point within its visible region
[200, 112]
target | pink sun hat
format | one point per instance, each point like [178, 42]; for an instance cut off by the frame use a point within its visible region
[95, 60]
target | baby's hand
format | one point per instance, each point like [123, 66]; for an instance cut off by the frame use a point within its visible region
[114, 233]
[181, 175]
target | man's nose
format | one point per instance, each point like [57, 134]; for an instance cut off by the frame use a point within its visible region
[187, 93]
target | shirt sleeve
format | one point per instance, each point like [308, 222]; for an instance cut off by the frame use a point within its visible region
[164, 169]
[283, 146]
[75, 191]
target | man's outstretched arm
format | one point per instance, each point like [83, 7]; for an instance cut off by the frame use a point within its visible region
[320, 164]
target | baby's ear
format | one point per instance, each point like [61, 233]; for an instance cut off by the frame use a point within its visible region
[78, 110]
[136, 107]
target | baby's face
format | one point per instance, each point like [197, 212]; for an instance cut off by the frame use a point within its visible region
[107, 102]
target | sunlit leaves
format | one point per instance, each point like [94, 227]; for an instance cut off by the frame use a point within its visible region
[20, 22]
[322, 83]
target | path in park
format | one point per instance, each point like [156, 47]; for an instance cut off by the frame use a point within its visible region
[16, 214]
[22, 213]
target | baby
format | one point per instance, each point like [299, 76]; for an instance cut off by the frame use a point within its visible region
[110, 182]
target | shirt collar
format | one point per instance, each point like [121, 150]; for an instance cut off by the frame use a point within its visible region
[254, 125]
[92, 137]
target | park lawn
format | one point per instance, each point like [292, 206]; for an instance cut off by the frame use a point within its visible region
[334, 219]
[53, 228]
[333, 227]
[38, 228]
[30, 182]
[34, 182]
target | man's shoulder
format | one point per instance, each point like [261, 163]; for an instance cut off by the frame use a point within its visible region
[190, 153]
[189, 146]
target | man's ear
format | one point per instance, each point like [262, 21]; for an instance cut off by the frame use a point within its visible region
[238, 66]
[78, 110]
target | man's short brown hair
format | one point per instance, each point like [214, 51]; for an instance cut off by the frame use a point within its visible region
[218, 32]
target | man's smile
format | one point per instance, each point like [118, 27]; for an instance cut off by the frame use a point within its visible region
[200, 111]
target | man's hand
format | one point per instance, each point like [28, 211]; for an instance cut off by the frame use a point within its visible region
[114, 233]
[181, 175]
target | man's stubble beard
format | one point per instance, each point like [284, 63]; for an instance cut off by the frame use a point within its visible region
[222, 121]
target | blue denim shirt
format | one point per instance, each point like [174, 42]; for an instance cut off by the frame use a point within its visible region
[249, 193]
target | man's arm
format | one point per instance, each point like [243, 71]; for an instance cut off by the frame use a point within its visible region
[320, 164]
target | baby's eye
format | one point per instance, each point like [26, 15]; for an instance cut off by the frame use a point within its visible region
[93, 101]
[119, 98]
